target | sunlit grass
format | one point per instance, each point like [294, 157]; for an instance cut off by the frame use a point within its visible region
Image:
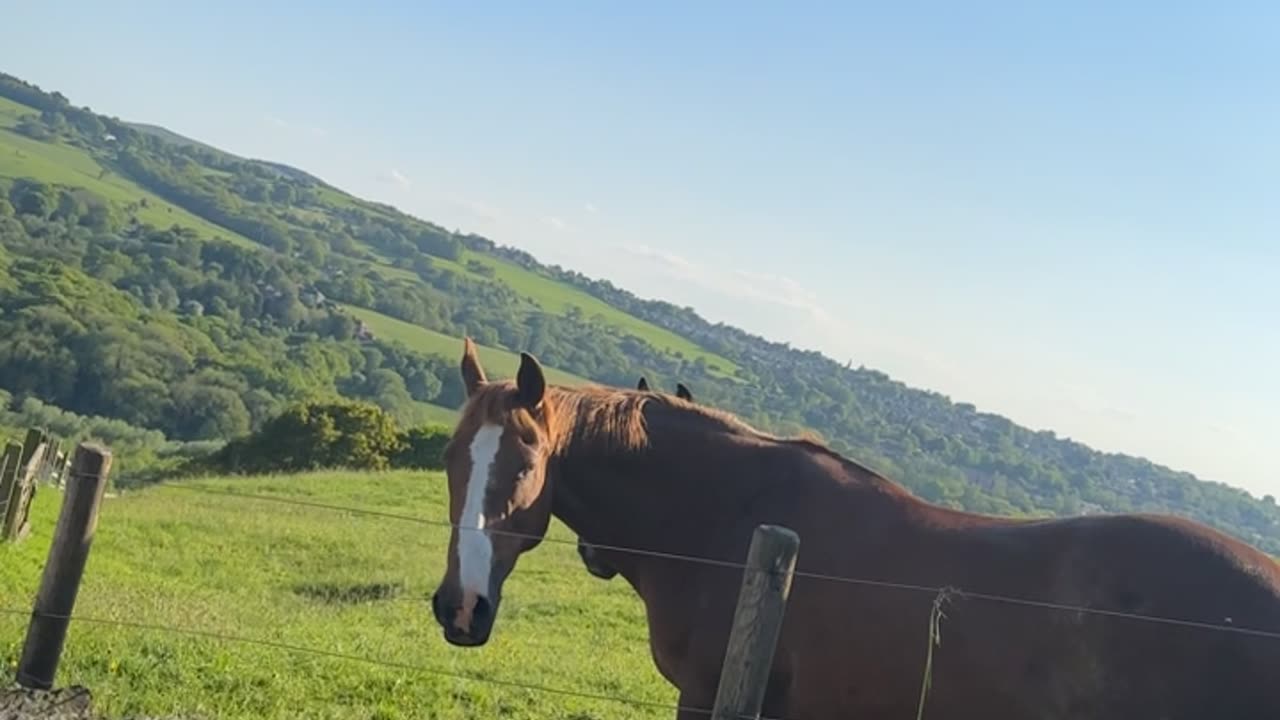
[336, 581]
[497, 363]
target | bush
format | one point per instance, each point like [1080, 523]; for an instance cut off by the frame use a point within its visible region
[311, 436]
[423, 448]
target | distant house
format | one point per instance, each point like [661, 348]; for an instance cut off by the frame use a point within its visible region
[312, 297]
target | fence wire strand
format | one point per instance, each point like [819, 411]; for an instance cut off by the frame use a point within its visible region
[350, 657]
[823, 577]
[938, 592]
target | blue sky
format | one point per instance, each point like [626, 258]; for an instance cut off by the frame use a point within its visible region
[1069, 215]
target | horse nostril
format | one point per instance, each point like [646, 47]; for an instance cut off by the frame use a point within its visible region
[483, 609]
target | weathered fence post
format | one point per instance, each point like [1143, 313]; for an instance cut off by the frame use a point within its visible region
[31, 444]
[13, 521]
[766, 583]
[62, 571]
[10, 467]
[20, 512]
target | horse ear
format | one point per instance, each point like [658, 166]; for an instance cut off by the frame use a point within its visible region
[683, 393]
[644, 385]
[531, 385]
[472, 374]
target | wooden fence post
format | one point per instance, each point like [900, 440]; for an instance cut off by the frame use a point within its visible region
[10, 468]
[766, 583]
[31, 443]
[18, 524]
[62, 571]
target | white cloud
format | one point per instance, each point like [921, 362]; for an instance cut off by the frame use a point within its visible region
[591, 208]
[783, 308]
[281, 123]
[483, 212]
[396, 177]
[661, 257]
[555, 222]
[768, 288]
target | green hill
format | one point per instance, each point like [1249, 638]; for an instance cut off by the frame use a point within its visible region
[498, 363]
[70, 166]
[337, 582]
[230, 292]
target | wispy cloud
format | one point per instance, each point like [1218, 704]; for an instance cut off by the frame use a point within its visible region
[483, 212]
[786, 308]
[768, 288]
[395, 177]
[591, 208]
[555, 222]
[282, 124]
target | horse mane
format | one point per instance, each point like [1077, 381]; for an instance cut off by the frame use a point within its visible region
[614, 419]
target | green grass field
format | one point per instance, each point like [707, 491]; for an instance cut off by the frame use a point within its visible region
[437, 414]
[497, 363]
[338, 582]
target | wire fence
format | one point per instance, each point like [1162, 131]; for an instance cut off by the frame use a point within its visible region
[351, 657]
[939, 594]
[737, 565]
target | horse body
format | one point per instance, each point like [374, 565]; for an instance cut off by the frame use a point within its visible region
[859, 649]
[625, 470]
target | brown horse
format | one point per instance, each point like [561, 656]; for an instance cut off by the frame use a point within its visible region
[652, 472]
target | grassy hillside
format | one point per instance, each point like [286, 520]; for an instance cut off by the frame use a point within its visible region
[62, 164]
[68, 165]
[498, 363]
[557, 297]
[337, 582]
[305, 250]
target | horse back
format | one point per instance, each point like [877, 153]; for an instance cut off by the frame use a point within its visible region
[1100, 616]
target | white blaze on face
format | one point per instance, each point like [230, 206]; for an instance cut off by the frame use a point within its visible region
[475, 549]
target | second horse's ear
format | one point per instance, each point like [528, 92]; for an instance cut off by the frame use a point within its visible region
[683, 393]
[643, 385]
[531, 384]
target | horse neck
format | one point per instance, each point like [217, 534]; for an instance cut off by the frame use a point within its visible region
[663, 497]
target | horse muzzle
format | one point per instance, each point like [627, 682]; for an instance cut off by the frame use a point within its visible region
[467, 622]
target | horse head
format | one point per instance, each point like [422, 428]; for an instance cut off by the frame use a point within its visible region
[496, 463]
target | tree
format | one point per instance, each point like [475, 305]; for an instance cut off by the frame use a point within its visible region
[282, 192]
[34, 198]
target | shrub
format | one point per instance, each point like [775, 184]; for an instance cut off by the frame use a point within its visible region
[311, 436]
[423, 448]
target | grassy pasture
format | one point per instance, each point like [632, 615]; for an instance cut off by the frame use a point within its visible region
[339, 582]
